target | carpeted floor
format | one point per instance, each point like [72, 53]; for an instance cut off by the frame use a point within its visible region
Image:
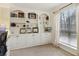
[43, 50]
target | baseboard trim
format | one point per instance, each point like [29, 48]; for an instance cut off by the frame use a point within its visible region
[68, 49]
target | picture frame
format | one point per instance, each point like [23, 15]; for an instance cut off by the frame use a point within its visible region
[32, 15]
[47, 29]
[22, 30]
[17, 14]
[21, 15]
[35, 30]
[13, 15]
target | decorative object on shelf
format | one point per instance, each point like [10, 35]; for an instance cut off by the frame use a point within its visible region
[47, 18]
[35, 30]
[32, 15]
[28, 26]
[44, 17]
[47, 29]
[13, 24]
[46, 23]
[29, 30]
[24, 25]
[17, 14]
[13, 15]
[21, 15]
[27, 21]
[22, 30]
[17, 26]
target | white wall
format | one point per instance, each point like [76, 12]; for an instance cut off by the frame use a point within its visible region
[77, 21]
[6, 5]
[4, 15]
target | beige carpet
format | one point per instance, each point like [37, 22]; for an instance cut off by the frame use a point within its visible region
[43, 50]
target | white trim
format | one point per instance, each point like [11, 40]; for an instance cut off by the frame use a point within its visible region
[75, 48]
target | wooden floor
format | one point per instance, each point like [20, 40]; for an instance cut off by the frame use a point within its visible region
[43, 50]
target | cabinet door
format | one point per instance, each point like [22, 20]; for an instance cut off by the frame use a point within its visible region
[25, 40]
[29, 40]
[20, 41]
[48, 37]
[36, 39]
[45, 38]
[12, 42]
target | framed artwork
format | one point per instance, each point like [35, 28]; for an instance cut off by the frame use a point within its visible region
[21, 15]
[35, 29]
[47, 29]
[22, 30]
[13, 15]
[17, 13]
[32, 15]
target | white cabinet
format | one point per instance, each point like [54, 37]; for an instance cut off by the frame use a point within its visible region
[16, 42]
[45, 38]
[28, 40]
[12, 42]
[36, 39]
[20, 41]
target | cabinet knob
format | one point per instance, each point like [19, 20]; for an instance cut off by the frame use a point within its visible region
[17, 36]
[9, 37]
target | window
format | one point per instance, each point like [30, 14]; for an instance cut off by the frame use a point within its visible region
[68, 27]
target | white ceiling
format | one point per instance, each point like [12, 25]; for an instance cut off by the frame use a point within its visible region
[39, 6]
